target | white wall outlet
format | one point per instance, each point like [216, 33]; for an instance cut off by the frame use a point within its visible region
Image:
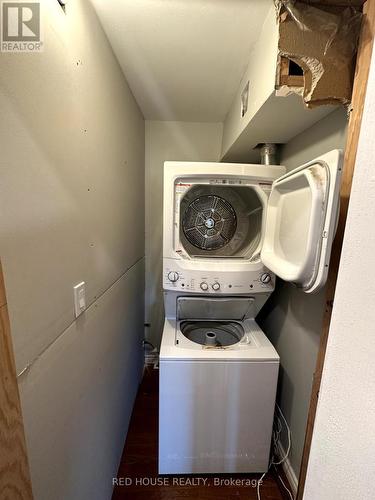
[79, 298]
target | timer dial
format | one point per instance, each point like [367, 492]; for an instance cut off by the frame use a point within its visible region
[173, 276]
[265, 278]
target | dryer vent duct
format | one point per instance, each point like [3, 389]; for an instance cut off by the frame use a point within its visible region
[269, 154]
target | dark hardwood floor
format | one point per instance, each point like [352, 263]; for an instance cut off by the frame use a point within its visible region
[139, 462]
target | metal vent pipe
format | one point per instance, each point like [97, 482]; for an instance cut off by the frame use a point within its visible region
[269, 154]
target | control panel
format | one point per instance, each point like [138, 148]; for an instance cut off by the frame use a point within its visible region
[260, 280]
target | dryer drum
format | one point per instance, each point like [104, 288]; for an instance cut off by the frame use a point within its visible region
[220, 221]
[213, 333]
[209, 222]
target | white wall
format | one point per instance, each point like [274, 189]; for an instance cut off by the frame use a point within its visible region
[291, 318]
[341, 464]
[168, 141]
[261, 74]
[71, 182]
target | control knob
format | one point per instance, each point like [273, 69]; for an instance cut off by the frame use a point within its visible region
[173, 276]
[265, 278]
[216, 286]
[204, 286]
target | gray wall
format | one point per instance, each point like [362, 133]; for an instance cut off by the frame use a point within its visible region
[291, 319]
[168, 141]
[72, 209]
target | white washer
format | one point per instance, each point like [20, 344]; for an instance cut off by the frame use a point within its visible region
[229, 230]
[216, 405]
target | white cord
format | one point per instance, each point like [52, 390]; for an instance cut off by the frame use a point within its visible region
[276, 445]
[289, 438]
[260, 482]
[285, 486]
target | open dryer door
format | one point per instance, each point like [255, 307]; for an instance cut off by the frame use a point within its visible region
[301, 222]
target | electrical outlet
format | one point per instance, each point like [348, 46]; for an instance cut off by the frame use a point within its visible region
[79, 298]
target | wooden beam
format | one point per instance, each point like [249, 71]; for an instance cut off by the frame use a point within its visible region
[15, 483]
[284, 76]
[358, 98]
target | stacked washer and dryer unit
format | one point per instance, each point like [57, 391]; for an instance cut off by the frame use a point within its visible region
[229, 229]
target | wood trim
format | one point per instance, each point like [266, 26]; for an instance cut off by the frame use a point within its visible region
[358, 99]
[15, 482]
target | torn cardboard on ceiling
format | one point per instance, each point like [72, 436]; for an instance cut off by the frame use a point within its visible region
[322, 39]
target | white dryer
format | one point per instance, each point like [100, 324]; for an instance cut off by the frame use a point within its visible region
[229, 229]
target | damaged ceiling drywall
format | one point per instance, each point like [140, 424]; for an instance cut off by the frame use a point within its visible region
[322, 39]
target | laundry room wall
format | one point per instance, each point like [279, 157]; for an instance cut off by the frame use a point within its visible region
[292, 319]
[168, 140]
[72, 210]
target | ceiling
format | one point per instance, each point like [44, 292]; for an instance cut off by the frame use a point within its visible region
[183, 59]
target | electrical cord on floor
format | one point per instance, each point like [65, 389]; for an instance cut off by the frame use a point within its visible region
[276, 451]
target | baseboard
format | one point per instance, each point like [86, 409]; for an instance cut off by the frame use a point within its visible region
[289, 472]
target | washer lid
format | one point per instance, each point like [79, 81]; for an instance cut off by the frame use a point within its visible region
[301, 222]
[234, 308]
